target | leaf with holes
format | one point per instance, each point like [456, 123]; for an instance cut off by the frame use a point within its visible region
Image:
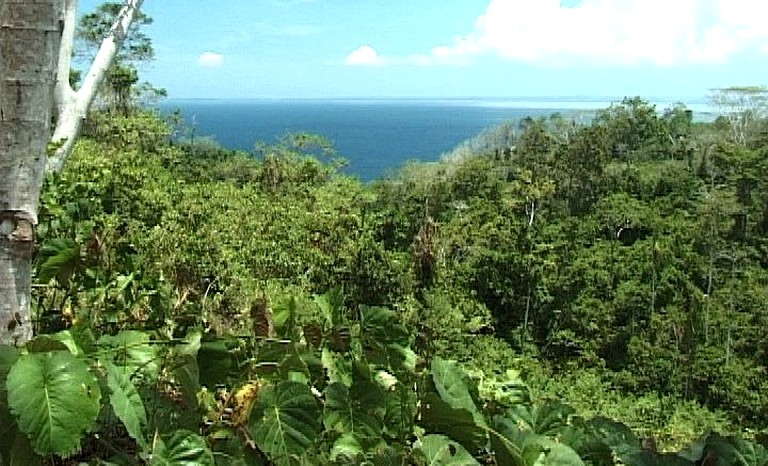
[55, 399]
[285, 420]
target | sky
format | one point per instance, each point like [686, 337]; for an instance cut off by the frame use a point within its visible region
[454, 48]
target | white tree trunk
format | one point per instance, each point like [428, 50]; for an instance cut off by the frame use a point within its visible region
[30, 33]
[35, 54]
[72, 106]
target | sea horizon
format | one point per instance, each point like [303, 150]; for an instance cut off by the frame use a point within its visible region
[378, 135]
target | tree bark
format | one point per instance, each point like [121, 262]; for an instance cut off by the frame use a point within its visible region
[30, 34]
[35, 54]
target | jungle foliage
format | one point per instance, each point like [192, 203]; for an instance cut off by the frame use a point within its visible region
[560, 293]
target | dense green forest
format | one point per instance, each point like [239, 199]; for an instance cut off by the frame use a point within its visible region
[550, 293]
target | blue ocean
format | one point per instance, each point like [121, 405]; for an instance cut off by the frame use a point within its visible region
[375, 136]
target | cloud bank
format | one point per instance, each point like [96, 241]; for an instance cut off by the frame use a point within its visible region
[604, 32]
[210, 60]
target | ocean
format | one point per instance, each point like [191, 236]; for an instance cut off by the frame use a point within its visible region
[376, 136]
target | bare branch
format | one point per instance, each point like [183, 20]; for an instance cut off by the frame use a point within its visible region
[73, 112]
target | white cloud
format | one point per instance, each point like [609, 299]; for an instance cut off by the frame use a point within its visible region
[608, 32]
[210, 60]
[365, 56]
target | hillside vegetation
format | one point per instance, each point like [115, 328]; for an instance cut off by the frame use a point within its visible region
[553, 293]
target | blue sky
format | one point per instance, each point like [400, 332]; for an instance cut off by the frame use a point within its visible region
[454, 48]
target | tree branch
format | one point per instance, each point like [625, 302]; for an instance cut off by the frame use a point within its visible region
[73, 111]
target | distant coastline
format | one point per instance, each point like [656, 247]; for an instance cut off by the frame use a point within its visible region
[378, 135]
[557, 102]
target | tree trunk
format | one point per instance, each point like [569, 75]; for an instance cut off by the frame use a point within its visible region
[35, 53]
[30, 34]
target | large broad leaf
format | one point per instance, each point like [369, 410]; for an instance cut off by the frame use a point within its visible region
[183, 448]
[346, 414]
[515, 446]
[719, 450]
[437, 416]
[544, 419]
[346, 450]
[439, 450]
[337, 368]
[381, 325]
[402, 408]
[649, 458]
[131, 349]
[386, 341]
[590, 446]
[453, 386]
[619, 438]
[82, 334]
[448, 407]
[67, 338]
[285, 420]
[543, 451]
[186, 370]
[45, 344]
[215, 362]
[126, 402]
[507, 442]
[55, 399]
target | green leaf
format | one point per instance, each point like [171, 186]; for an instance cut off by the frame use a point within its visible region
[126, 403]
[337, 368]
[285, 319]
[381, 325]
[448, 406]
[68, 339]
[183, 448]
[186, 370]
[514, 446]
[45, 344]
[543, 419]
[83, 336]
[188, 376]
[453, 386]
[439, 450]
[285, 420]
[386, 341]
[648, 458]
[346, 448]
[215, 363]
[60, 259]
[542, 451]
[346, 414]
[735, 451]
[132, 350]
[507, 442]
[617, 436]
[459, 424]
[401, 411]
[55, 399]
